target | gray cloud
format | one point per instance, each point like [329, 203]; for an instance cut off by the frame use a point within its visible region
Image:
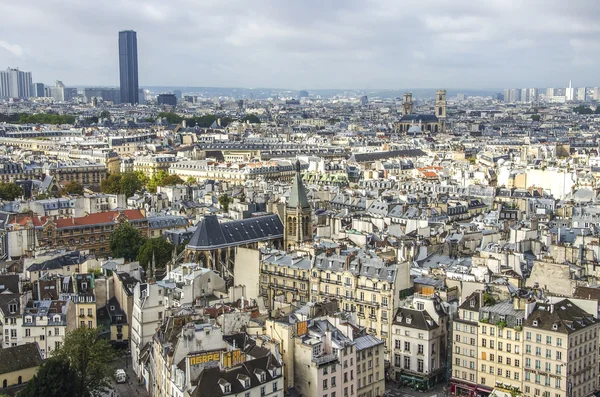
[308, 44]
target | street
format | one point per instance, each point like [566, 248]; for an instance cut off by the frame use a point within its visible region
[393, 391]
[129, 388]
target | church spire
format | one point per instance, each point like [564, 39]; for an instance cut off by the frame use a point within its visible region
[298, 197]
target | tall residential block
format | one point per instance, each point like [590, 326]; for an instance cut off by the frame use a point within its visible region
[128, 67]
[15, 84]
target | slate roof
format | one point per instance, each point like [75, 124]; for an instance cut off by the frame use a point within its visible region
[366, 342]
[211, 234]
[9, 283]
[208, 383]
[69, 259]
[564, 317]
[426, 118]
[374, 156]
[418, 319]
[20, 357]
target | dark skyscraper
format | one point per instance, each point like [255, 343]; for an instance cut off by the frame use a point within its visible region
[128, 65]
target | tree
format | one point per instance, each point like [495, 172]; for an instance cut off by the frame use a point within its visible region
[160, 248]
[536, 117]
[130, 184]
[224, 201]
[90, 356]
[252, 118]
[171, 180]
[105, 114]
[10, 191]
[54, 378]
[190, 180]
[127, 183]
[171, 117]
[73, 187]
[125, 241]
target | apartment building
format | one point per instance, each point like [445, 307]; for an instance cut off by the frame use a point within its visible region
[500, 346]
[419, 342]
[147, 316]
[363, 283]
[325, 361]
[523, 346]
[561, 351]
[46, 322]
[152, 165]
[284, 278]
[464, 352]
[369, 366]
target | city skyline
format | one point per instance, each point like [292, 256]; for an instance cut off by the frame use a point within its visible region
[357, 45]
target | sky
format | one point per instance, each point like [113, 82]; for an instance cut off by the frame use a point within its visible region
[347, 44]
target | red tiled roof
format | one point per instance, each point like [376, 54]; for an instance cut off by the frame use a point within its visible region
[99, 218]
[429, 174]
[36, 220]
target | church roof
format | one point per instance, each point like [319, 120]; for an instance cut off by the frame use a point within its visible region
[211, 234]
[425, 118]
[298, 196]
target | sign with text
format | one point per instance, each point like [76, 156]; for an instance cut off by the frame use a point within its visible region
[203, 358]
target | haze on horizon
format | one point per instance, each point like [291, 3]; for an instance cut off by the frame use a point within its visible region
[371, 44]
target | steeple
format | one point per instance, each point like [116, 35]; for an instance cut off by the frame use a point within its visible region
[298, 197]
[153, 268]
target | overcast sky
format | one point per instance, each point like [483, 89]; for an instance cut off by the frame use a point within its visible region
[308, 43]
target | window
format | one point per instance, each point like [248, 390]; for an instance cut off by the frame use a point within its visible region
[324, 384]
[420, 349]
[13, 333]
[420, 365]
[407, 346]
[27, 332]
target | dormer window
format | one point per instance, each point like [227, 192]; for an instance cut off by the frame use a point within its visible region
[472, 302]
[260, 375]
[244, 380]
[12, 308]
[84, 286]
[225, 386]
[535, 323]
[28, 319]
[554, 327]
[56, 319]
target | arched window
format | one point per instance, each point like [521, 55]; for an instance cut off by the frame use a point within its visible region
[4, 384]
[20, 379]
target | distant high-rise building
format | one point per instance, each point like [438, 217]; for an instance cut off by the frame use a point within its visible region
[364, 100]
[461, 97]
[534, 95]
[37, 90]
[128, 67]
[570, 92]
[549, 93]
[15, 84]
[107, 94]
[167, 99]
[512, 95]
[596, 95]
[582, 94]
[525, 95]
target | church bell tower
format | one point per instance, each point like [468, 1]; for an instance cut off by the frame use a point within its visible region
[298, 214]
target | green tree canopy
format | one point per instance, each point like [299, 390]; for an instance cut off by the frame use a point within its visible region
[73, 187]
[171, 117]
[105, 114]
[127, 183]
[54, 378]
[125, 241]
[582, 109]
[162, 178]
[224, 201]
[90, 356]
[46, 118]
[10, 191]
[190, 180]
[161, 248]
[252, 118]
[536, 117]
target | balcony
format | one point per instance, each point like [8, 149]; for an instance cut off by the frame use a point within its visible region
[324, 359]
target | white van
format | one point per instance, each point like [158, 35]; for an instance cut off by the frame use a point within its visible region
[120, 376]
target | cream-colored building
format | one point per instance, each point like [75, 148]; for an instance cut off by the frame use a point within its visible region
[464, 346]
[46, 322]
[365, 284]
[19, 364]
[370, 366]
[524, 347]
[500, 345]
[560, 357]
[284, 278]
[419, 342]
